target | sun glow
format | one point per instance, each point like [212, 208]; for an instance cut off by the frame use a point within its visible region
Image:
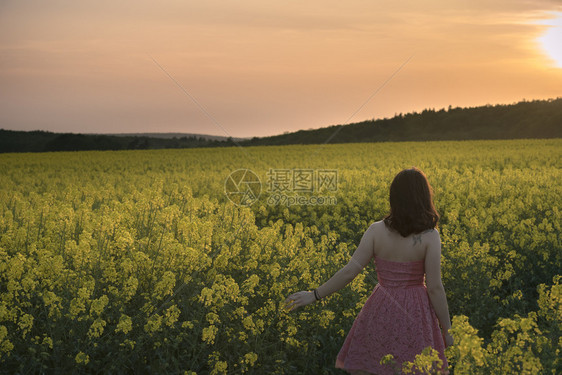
[551, 40]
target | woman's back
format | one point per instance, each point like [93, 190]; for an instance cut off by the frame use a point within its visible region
[390, 245]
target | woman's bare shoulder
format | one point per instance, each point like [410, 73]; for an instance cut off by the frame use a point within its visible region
[433, 232]
[433, 238]
[377, 225]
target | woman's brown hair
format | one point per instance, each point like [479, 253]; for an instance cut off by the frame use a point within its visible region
[411, 203]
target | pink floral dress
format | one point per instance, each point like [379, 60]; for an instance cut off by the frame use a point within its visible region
[397, 319]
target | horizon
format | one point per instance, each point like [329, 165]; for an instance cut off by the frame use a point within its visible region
[446, 109]
[256, 70]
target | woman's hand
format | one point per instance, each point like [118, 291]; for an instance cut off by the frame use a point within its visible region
[298, 299]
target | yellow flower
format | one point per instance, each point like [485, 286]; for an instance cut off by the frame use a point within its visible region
[77, 306]
[28, 284]
[82, 358]
[98, 305]
[220, 368]
[250, 358]
[212, 318]
[125, 324]
[291, 330]
[326, 316]
[128, 343]
[387, 359]
[171, 316]
[153, 324]
[5, 345]
[242, 336]
[248, 323]
[96, 329]
[206, 296]
[3, 311]
[208, 334]
[130, 288]
[274, 270]
[166, 285]
[48, 341]
[25, 323]
[250, 284]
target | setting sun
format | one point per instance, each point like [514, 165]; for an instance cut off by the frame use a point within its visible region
[551, 40]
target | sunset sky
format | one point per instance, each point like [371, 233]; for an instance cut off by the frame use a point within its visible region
[266, 67]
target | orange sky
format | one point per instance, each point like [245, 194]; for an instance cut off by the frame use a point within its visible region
[266, 67]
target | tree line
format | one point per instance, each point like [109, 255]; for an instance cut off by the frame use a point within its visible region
[526, 119]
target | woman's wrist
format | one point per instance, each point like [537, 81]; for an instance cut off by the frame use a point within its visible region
[316, 295]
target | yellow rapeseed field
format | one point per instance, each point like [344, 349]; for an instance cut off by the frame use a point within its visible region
[138, 261]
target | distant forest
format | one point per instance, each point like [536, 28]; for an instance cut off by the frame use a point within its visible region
[42, 141]
[526, 119]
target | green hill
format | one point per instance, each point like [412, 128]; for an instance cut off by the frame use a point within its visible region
[527, 119]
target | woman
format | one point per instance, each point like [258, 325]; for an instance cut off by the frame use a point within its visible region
[402, 315]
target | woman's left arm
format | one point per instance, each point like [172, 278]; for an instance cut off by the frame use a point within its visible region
[360, 258]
